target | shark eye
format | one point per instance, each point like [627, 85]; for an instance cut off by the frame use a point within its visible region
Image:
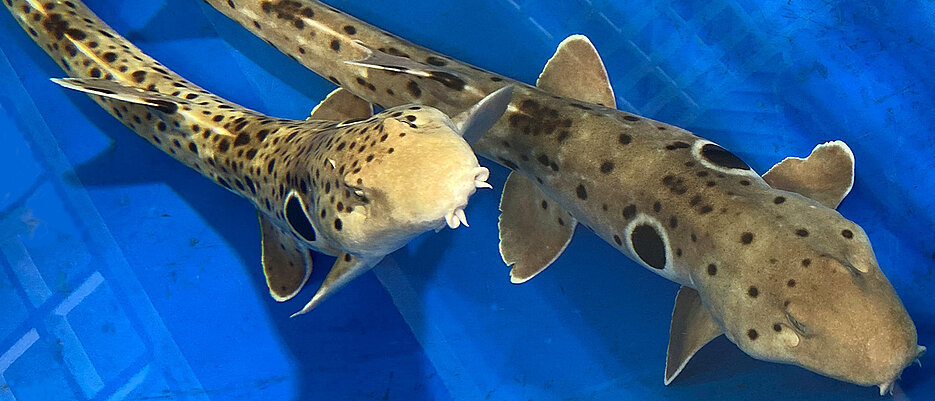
[298, 219]
[359, 194]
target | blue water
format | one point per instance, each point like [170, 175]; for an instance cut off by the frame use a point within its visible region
[123, 275]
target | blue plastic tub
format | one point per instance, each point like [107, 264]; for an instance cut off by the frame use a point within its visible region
[124, 275]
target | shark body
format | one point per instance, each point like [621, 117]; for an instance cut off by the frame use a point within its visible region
[344, 182]
[765, 260]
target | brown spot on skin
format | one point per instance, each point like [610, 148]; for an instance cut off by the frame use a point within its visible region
[753, 292]
[752, 334]
[712, 269]
[746, 238]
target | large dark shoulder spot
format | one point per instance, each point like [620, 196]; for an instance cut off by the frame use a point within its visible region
[720, 157]
[649, 246]
[298, 220]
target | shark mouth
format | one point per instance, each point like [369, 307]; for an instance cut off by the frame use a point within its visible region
[889, 387]
[455, 218]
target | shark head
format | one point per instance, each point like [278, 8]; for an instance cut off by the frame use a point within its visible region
[422, 184]
[812, 294]
[423, 178]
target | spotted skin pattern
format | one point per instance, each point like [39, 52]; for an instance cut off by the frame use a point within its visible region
[356, 189]
[786, 278]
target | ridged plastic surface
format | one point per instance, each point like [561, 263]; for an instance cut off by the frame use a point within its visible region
[123, 275]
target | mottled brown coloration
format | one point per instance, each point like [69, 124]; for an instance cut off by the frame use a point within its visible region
[405, 171]
[561, 143]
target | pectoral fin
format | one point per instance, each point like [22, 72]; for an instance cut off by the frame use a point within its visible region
[341, 105]
[826, 175]
[286, 264]
[692, 327]
[474, 122]
[346, 268]
[534, 230]
[576, 71]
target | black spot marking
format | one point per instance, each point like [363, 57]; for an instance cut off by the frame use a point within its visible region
[712, 269]
[545, 205]
[449, 80]
[746, 238]
[657, 207]
[745, 182]
[790, 283]
[335, 45]
[753, 291]
[720, 157]
[165, 106]
[535, 119]
[629, 212]
[607, 167]
[435, 61]
[582, 193]
[338, 224]
[847, 234]
[350, 30]
[677, 145]
[298, 220]
[752, 334]
[675, 184]
[673, 222]
[414, 89]
[618, 240]
[777, 327]
[649, 246]
[242, 139]
[138, 76]
[801, 232]
[779, 200]
[625, 139]
[806, 262]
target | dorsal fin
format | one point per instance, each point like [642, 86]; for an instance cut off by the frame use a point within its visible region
[576, 71]
[826, 175]
[692, 327]
[341, 105]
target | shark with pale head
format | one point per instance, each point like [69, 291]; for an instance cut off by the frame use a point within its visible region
[344, 182]
[765, 260]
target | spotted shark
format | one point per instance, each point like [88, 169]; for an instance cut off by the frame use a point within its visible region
[344, 182]
[764, 259]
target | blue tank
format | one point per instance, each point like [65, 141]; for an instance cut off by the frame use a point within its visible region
[124, 275]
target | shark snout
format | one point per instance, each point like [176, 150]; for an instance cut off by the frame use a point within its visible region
[455, 217]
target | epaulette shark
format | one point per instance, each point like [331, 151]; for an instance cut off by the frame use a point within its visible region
[344, 182]
[765, 260]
